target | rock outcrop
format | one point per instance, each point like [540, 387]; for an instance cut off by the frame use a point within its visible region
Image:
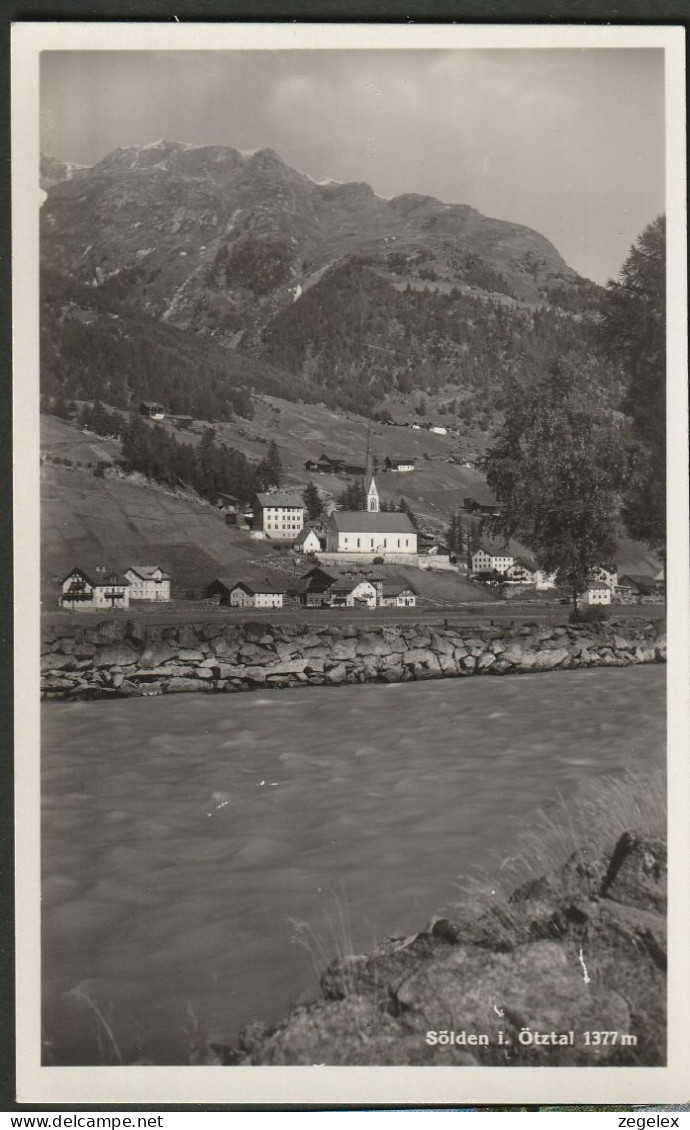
[121, 658]
[570, 972]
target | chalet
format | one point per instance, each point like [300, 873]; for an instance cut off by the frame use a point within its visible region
[152, 410]
[259, 593]
[331, 588]
[521, 572]
[279, 515]
[308, 541]
[361, 572]
[636, 584]
[324, 465]
[353, 592]
[81, 591]
[484, 504]
[438, 430]
[606, 574]
[597, 593]
[321, 466]
[398, 596]
[317, 586]
[148, 582]
[182, 422]
[399, 465]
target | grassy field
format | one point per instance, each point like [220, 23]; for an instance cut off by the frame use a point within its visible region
[120, 521]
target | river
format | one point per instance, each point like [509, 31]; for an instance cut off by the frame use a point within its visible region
[192, 844]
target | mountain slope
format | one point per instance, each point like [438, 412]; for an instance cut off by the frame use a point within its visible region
[192, 221]
[355, 296]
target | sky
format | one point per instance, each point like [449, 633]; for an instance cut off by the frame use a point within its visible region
[569, 142]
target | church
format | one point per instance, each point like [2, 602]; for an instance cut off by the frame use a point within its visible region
[370, 531]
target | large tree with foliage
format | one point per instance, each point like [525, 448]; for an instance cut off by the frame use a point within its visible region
[555, 465]
[634, 329]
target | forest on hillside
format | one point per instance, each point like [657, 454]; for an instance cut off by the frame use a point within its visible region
[92, 348]
[349, 342]
[360, 337]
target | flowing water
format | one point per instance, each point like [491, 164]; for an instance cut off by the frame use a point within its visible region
[186, 838]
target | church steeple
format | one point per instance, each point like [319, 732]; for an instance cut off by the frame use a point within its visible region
[371, 494]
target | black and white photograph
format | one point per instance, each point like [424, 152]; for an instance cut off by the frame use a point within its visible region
[350, 366]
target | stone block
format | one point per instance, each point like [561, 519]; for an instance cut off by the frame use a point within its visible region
[157, 654]
[180, 685]
[116, 655]
[637, 873]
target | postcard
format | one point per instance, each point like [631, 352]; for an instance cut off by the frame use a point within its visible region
[350, 387]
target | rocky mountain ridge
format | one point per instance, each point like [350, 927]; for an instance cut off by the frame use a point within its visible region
[357, 299]
[190, 224]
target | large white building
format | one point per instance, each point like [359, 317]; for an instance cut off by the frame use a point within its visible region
[490, 559]
[361, 531]
[370, 531]
[103, 590]
[148, 582]
[279, 515]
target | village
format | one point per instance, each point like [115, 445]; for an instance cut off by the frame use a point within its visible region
[359, 558]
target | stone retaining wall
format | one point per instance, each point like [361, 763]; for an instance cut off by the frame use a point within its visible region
[119, 658]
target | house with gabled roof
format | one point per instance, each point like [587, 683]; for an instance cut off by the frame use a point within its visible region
[257, 592]
[148, 582]
[399, 465]
[307, 541]
[398, 595]
[82, 591]
[334, 588]
[152, 410]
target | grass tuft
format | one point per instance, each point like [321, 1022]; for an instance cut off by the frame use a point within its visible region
[593, 821]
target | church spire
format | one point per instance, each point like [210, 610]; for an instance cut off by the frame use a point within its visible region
[371, 494]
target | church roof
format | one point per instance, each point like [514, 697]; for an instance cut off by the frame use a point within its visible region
[371, 522]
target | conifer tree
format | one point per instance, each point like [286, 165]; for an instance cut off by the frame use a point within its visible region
[274, 465]
[313, 502]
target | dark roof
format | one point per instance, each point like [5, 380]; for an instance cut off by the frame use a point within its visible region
[262, 585]
[641, 580]
[395, 590]
[304, 533]
[146, 572]
[510, 548]
[111, 577]
[280, 498]
[330, 573]
[347, 584]
[526, 564]
[250, 584]
[77, 569]
[374, 522]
